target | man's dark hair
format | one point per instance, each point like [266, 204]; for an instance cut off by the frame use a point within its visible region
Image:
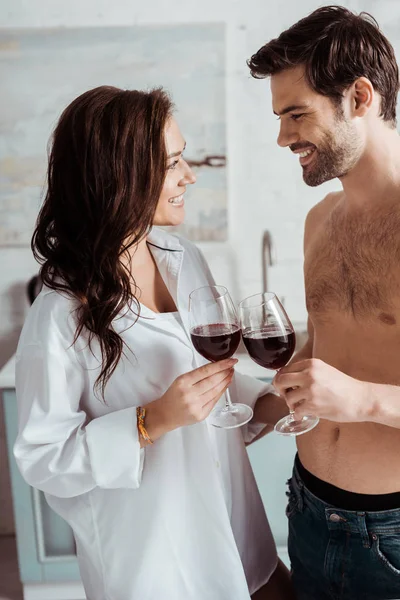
[336, 47]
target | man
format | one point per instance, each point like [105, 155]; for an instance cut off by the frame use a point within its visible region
[334, 83]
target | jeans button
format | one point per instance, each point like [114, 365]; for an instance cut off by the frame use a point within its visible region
[335, 518]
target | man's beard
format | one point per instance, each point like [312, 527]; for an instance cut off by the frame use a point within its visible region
[335, 156]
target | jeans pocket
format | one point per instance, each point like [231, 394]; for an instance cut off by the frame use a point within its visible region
[292, 505]
[387, 548]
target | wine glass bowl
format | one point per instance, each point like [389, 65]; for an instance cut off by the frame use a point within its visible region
[270, 347]
[216, 341]
[215, 334]
[270, 340]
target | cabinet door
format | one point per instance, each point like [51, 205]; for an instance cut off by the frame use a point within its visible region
[45, 543]
[7, 526]
[272, 460]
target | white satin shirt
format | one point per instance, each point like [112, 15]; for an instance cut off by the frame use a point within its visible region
[181, 519]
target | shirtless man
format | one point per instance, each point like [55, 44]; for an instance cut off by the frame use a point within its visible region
[334, 83]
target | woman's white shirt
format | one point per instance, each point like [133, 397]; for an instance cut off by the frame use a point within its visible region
[181, 519]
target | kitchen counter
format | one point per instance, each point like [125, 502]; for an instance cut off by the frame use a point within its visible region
[245, 365]
[7, 375]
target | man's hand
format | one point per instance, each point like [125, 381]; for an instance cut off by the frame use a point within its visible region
[312, 387]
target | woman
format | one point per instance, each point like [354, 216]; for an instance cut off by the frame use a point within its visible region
[162, 505]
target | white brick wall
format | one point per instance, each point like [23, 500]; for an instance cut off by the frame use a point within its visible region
[17, 265]
[265, 186]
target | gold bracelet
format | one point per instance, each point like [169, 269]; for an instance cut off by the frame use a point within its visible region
[141, 414]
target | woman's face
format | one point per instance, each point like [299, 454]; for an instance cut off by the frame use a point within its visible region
[171, 205]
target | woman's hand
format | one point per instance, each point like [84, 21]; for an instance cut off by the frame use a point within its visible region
[190, 398]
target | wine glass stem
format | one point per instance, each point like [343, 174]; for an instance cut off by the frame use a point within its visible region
[228, 401]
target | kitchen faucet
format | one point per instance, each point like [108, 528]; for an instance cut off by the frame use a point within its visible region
[267, 259]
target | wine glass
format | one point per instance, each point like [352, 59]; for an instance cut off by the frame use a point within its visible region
[270, 340]
[215, 333]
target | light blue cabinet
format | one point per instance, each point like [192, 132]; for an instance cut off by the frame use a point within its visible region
[272, 460]
[45, 544]
[46, 548]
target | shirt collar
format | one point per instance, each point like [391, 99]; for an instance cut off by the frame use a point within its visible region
[163, 240]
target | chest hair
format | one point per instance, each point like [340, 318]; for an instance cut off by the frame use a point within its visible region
[353, 264]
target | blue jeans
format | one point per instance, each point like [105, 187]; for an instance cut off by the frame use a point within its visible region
[338, 554]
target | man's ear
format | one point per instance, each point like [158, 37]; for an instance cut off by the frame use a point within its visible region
[361, 95]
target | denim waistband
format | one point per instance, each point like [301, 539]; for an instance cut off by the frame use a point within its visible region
[336, 496]
[337, 518]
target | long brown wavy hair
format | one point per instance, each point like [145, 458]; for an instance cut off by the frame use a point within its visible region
[107, 166]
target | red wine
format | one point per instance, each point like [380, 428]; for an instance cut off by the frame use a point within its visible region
[216, 341]
[269, 347]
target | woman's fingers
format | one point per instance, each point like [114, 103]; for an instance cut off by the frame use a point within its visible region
[206, 371]
[210, 383]
[213, 395]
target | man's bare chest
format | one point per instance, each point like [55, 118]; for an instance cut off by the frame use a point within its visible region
[353, 265]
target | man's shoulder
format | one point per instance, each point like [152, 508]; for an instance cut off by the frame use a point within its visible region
[318, 214]
[324, 207]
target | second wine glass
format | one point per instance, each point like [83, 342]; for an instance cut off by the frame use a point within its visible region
[215, 333]
[270, 340]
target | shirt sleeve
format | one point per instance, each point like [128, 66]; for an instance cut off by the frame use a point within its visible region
[248, 390]
[59, 450]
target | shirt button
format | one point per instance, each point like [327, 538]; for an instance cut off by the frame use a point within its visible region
[217, 464]
[335, 518]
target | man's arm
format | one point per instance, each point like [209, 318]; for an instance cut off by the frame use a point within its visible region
[382, 404]
[307, 350]
[270, 408]
[311, 224]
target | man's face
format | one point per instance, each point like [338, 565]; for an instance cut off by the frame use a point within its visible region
[327, 142]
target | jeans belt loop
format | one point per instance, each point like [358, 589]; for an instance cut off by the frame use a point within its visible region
[362, 525]
[301, 496]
